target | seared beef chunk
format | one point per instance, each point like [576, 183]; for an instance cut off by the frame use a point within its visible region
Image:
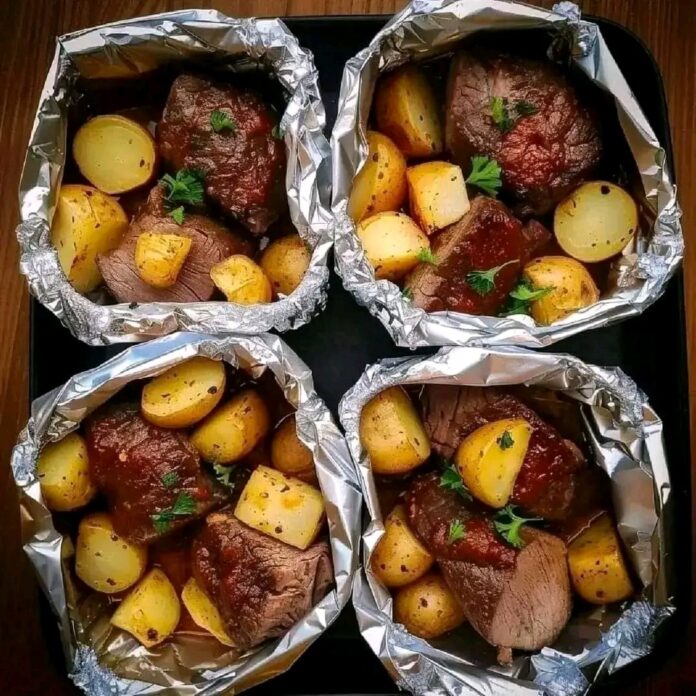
[243, 164]
[543, 154]
[151, 476]
[548, 483]
[260, 585]
[486, 237]
[513, 598]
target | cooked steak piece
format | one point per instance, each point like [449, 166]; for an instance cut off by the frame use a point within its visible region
[260, 585]
[486, 237]
[151, 476]
[211, 242]
[513, 598]
[244, 164]
[544, 154]
[548, 482]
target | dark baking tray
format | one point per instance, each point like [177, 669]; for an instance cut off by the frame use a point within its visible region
[651, 348]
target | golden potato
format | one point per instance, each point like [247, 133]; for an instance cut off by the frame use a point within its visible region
[285, 262]
[597, 567]
[570, 283]
[282, 507]
[380, 185]
[399, 558]
[203, 612]
[184, 394]
[86, 223]
[596, 221]
[406, 110]
[393, 244]
[234, 429]
[392, 433]
[437, 194]
[490, 458]
[159, 257]
[427, 608]
[63, 472]
[241, 280]
[151, 611]
[114, 153]
[105, 561]
[288, 453]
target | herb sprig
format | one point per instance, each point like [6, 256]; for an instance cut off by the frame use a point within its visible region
[521, 297]
[183, 506]
[221, 120]
[508, 524]
[170, 479]
[483, 282]
[457, 531]
[505, 441]
[425, 255]
[505, 115]
[184, 188]
[451, 480]
[485, 175]
[224, 475]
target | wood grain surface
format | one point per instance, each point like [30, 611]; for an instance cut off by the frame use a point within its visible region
[27, 31]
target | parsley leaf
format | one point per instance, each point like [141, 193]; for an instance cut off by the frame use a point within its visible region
[521, 296]
[407, 294]
[452, 481]
[426, 256]
[525, 108]
[485, 174]
[505, 441]
[223, 475]
[483, 282]
[171, 478]
[221, 120]
[456, 531]
[177, 215]
[501, 114]
[186, 186]
[508, 524]
[183, 506]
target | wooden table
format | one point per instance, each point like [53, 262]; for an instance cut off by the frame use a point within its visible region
[27, 30]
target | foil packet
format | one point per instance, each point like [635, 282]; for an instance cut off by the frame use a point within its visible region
[430, 28]
[134, 48]
[103, 660]
[624, 436]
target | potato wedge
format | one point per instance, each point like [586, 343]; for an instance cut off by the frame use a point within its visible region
[86, 223]
[436, 194]
[282, 507]
[597, 567]
[285, 262]
[105, 561]
[407, 111]
[114, 153]
[393, 244]
[399, 558]
[63, 472]
[184, 394]
[234, 429]
[288, 454]
[392, 433]
[490, 458]
[241, 280]
[159, 257]
[203, 612]
[380, 185]
[151, 610]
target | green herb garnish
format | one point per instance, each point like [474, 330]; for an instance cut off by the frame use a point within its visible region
[525, 108]
[505, 116]
[276, 132]
[521, 296]
[452, 481]
[483, 282]
[407, 294]
[485, 174]
[223, 474]
[426, 256]
[508, 524]
[186, 186]
[221, 120]
[177, 215]
[505, 441]
[456, 531]
[183, 506]
[171, 478]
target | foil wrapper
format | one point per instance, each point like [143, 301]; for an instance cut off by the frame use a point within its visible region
[431, 28]
[624, 436]
[135, 47]
[103, 660]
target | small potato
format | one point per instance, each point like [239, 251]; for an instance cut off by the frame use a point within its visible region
[86, 223]
[151, 611]
[159, 257]
[596, 221]
[437, 195]
[597, 567]
[399, 557]
[490, 458]
[393, 244]
[407, 111]
[114, 153]
[103, 560]
[241, 280]
[380, 185]
[184, 394]
[288, 453]
[427, 607]
[203, 612]
[63, 472]
[234, 429]
[392, 433]
[571, 284]
[285, 261]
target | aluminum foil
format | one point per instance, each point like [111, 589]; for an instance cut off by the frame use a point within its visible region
[625, 437]
[103, 660]
[428, 28]
[137, 46]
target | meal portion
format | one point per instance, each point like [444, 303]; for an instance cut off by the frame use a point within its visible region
[493, 514]
[201, 511]
[208, 193]
[489, 204]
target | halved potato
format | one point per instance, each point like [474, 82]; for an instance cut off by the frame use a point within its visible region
[114, 153]
[203, 612]
[380, 185]
[288, 453]
[86, 223]
[285, 262]
[241, 280]
[159, 257]
[184, 394]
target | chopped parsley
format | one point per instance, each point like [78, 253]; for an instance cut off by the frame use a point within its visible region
[407, 294]
[186, 186]
[483, 282]
[171, 478]
[521, 296]
[221, 120]
[505, 116]
[525, 108]
[426, 256]
[183, 506]
[223, 474]
[452, 481]
[508, 524]
[177, 215]
[505, 441]
[485, 175]
[456, 531]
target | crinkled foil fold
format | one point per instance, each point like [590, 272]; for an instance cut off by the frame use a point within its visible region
[625, 437]
[137, 46]
[427, 28]
[103, 660]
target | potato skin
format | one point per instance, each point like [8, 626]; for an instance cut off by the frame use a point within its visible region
[160, 257]
[285, 262]
[399, 558]
[241, 280]
[203, 612]
[288, 454]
